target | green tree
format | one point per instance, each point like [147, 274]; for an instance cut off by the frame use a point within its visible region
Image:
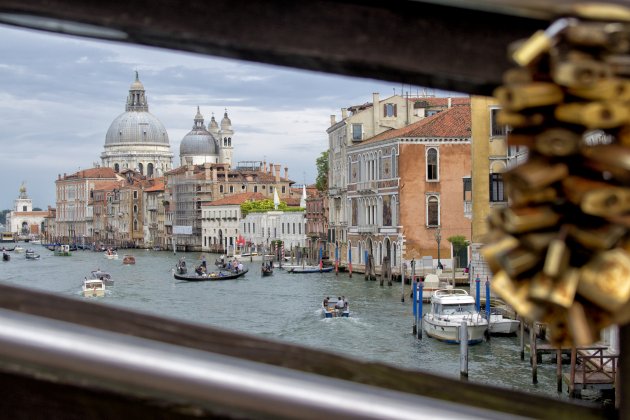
[322, 172]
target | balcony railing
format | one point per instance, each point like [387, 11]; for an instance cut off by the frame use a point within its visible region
[367, 229]
[367, 186]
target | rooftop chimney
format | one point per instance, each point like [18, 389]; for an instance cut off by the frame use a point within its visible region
[332, 120]
[344, 113]
[277, 172]
[376, 113]
[286, 172]
[450, 102]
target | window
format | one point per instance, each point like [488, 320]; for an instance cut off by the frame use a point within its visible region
[231, 188]
[135, 194]
[255, 188]
[433, 211]
[394, 164]
[283, 189]
[496, 188]
[220, 188]
[467, 188]
[357, 131]
[389, 110]
[432, 164]
[495, 128]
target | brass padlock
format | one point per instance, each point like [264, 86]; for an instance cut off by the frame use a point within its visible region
[614, 37]
[536, 173]
[606, 89]
[517, 120]
[540, 288]
[563, 292]
[582, 330]
[579, 73]
[605, 280]
[519, 261]
[598, 238]
[521, 198]
[557, 257]
[530, 95]
[613, 159]
[596, 198]
[558, 142]
[494, 252]
[537, 241]
[610, 114]
[515, 295]
[519, 220]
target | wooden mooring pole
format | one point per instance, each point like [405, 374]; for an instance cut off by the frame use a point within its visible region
[522, 338]
[463, 351]
[559, 370]
[533, 353]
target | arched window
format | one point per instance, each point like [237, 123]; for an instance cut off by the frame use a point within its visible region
[432, 165]
[230, 141]
[221, 188]
[433, 211]
[116, 167]
[141, 168]
[394, 164]
[135, 209]
[150, 169]
[135, 224]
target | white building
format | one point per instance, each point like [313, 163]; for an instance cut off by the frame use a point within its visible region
[220, 222]
[261, 229]
[22, 219]
[136, 139]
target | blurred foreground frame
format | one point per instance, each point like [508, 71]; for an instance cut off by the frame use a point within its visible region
[455, 45]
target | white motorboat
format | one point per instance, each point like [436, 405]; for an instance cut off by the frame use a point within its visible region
[18, 249]
[93, 288]
[449, 308]
[111, 254]
[103, 276]
[31, 255]
[335, 308]
[502, 326]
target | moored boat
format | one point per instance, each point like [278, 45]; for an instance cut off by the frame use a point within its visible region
[213, 275]
[449, 308]
[93, 288]
[305, 269]
[103, 276]
[129, 259]
[335, 308]
[62, 250]
[18, 249]
[499, 325]
[7, 237]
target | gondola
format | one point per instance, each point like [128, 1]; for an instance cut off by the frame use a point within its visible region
[266, 270]
[212, 276]
[6, 257]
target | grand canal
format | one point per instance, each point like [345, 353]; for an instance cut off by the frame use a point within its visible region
[283, 307]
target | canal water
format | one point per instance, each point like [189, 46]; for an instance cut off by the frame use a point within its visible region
[283, 307]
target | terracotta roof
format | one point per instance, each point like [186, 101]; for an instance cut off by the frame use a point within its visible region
[292, 201]
[236, 199]
[452, 122]
[158, 185]
[107, 185]
[437, 102]
[93, 173]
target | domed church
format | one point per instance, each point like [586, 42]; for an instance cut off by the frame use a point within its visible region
[136, 139]
[211, 145]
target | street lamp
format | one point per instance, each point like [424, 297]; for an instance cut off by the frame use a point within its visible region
[438, 238]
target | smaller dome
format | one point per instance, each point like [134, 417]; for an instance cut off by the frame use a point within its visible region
[199, 141]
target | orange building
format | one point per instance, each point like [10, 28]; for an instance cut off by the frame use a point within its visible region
[408, 184]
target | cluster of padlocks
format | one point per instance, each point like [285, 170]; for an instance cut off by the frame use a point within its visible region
[560, 252]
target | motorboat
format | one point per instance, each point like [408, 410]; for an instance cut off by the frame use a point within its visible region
[93, 288]
[306, 269]
[500, 325]
[129, 259]
[18, 249]
[36, 242]
[62, 250]
[449, 308]
[31, 255]
[335, 308]
[212, 276]
[111, 254]
[103, 276]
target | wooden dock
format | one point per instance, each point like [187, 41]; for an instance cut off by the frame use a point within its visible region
[592, 368]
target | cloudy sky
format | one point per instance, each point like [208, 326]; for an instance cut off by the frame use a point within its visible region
[59, 94]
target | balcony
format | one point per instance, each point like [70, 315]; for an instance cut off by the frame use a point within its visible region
[367, 229]
[336, 191]
[367, 187]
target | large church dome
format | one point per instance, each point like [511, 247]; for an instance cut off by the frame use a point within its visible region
[136, 124]
[136, 139]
